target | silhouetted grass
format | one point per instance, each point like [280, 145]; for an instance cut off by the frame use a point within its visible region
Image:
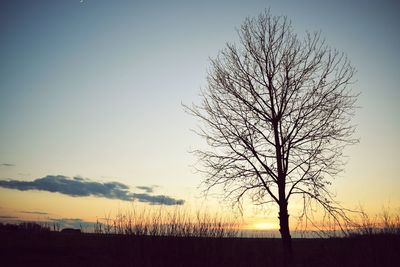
[385, 224]
[177, 223]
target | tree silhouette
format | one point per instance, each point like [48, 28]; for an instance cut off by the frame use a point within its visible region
[276, 115]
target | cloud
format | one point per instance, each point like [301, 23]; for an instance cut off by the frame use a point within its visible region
[80, 187]
[8, 217]
[147, 189]
[160, 199]
[33, 212]
[7, 165]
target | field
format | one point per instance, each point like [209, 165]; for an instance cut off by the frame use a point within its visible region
[52, 248]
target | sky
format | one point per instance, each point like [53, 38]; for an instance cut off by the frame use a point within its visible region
[91, 95]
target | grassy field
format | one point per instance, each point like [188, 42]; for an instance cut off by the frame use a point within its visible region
[21, 247]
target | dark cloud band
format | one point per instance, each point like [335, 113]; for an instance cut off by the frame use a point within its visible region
[34, 212]
[7, 165]
[79, 187]
[8, 217]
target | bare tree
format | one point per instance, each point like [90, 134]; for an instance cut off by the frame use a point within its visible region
[276, 115]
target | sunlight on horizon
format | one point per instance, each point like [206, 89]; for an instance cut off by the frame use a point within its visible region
[264, 226]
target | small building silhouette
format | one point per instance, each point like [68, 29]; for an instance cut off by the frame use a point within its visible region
[71, 231]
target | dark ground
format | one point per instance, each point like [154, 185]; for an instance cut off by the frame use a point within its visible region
[22, 248]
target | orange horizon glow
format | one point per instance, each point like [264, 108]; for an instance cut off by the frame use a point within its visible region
[264, 226]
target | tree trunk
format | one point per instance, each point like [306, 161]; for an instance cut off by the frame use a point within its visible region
[285, 232]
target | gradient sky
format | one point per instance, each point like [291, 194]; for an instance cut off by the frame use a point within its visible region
[93, 89]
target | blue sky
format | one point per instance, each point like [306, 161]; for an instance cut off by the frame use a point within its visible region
[94, 89]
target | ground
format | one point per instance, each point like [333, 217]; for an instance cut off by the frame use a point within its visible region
[23, 248]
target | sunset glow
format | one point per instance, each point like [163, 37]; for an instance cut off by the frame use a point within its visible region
[265, 226]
